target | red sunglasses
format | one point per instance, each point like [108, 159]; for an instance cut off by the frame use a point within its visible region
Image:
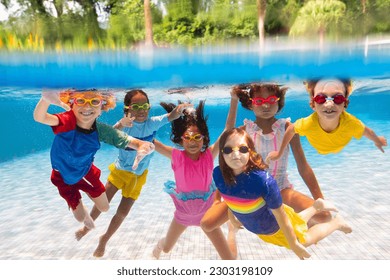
[322, 98]
[258, 101]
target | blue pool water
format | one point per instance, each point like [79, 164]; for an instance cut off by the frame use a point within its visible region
[35, 223]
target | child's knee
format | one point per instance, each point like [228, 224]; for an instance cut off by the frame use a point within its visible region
[103, 208]
[206, 225]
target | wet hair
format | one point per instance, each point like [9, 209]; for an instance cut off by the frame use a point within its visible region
[248, 91]
[255, 160]
[109, 100]
[129, 96]
[180, 125]
[311, 84]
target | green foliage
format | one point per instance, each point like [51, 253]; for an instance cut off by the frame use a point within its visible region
[186, 22]
[126, 24]
[242, 26]
[289, 12]
[319, 16]
[380, 12]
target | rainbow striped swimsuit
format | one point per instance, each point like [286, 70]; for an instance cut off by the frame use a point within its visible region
[251, 199]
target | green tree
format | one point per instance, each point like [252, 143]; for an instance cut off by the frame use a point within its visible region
[36, 20]
[319, 17]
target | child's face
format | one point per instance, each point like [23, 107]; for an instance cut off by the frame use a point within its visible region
[237, 159]
[264, 108]
[140, 114]
[87, 109]
[329, 110]
[192, 140]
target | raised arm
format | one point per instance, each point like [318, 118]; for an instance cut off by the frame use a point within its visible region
[40, 112]
[232, 115]
[289, 134]
[230, 119]
[41, 115]
[304, 169]
[379, 141]
[288, 231]
[179, 111]
[163, 149]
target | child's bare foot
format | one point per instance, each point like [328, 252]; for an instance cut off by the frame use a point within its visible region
[324, 205]
[343, 226]
[157, 250]
[100, 249]
[81, 232]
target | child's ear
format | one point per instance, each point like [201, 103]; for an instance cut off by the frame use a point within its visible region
[311, 103]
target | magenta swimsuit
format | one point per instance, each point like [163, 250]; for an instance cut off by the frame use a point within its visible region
[193, 192]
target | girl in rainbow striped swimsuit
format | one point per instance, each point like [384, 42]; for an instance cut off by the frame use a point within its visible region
[253, 197]
[266, 100]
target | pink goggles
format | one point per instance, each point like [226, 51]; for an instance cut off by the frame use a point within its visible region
[258, 101]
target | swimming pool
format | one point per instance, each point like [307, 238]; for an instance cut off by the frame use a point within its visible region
[35, 223]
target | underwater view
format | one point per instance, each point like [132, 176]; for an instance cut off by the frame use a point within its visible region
[36, 223]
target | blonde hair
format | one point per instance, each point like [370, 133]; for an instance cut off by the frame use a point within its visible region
[109, 101]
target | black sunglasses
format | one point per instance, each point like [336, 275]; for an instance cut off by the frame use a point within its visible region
[241, 149]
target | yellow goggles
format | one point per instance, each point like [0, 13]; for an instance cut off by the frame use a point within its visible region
[197, 137]
[94, 102]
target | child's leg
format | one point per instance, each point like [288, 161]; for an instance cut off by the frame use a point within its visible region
[166, 244]
[299, 202]
[320, 231]
[101, 202]
[95, 212]
[215, 216]
[81, 214]
[226, 250]
[116, 221]
[318, 206]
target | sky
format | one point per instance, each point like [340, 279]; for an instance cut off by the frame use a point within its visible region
[3, 13]
[13, 9]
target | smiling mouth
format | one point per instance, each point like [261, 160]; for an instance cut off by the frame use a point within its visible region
[87, 113]
[329, 111]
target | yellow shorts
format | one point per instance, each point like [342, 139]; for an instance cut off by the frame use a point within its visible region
[130, 183]
[298, 224]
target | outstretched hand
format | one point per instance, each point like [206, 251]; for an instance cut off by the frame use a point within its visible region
[53, 97]
[274, 155]
[300, 251]
[383, 142]
[127, 120]
[185, 108]
[235, 91]
[144, 149]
